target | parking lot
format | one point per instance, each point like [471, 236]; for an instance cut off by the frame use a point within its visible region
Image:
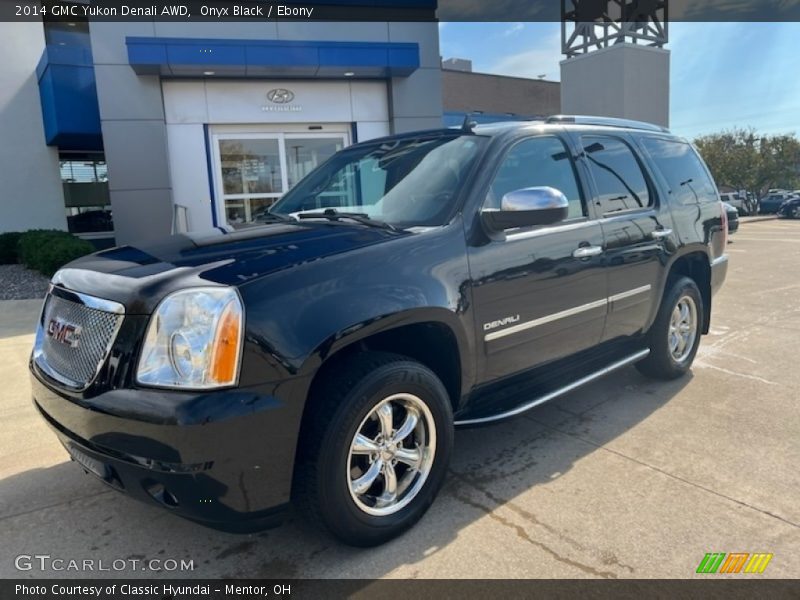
[626, 477]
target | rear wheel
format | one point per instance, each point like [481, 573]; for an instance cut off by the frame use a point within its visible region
[375, 450]
[675, 334]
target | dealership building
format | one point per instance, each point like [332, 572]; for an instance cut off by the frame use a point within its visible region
[121, 131]
[491, 98]
[130, 130]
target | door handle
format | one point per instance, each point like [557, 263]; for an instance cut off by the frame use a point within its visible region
[660, 234]
[587, 251]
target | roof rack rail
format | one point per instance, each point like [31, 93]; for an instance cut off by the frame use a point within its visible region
[606, 122]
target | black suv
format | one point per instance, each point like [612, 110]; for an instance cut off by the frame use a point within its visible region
[408, 285]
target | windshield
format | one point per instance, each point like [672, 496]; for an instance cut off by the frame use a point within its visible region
[405, 182]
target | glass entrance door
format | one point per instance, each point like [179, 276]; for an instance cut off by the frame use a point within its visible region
[253, 170]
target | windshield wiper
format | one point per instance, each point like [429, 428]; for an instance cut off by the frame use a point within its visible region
[271, 216]
[334, 215]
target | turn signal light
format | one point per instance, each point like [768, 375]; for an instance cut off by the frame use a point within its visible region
[225, 357]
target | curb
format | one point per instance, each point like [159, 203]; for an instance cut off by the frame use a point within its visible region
[758, 219]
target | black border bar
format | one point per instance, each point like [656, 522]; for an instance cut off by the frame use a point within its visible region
[395, 10]
[711, 588]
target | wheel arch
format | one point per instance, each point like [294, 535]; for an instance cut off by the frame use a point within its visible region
[433, 337]
[437, 342]
[696, 265]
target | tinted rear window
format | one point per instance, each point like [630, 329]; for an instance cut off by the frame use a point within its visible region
[616, 172]
[683, 171]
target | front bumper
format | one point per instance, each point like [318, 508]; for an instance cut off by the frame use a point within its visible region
[224, 459]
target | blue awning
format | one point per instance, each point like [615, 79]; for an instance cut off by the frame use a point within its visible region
[69, 98]
[193, 57]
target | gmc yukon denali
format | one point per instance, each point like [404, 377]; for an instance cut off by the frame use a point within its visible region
[407, 286]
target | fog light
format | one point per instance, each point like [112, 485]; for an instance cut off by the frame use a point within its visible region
[162, 495]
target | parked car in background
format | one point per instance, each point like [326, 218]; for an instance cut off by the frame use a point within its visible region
[773, 201]
[738, 201]
[752, 201]
[790, 209]
[733, 217]
[749, 201]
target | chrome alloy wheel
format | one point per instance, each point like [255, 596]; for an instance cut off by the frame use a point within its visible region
[391, 455]
[682, 329]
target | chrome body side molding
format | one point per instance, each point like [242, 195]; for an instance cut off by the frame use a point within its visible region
[495, 335]
[546, 319]
[629, 293]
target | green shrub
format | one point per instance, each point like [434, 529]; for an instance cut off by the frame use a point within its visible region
[32, 244]
[46, 250]
[8, 247]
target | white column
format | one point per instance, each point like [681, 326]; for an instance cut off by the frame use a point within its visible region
[626, 81]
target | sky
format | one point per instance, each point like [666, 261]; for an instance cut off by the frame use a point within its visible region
[722, 75]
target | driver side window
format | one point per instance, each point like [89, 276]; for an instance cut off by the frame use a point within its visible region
[537, 162]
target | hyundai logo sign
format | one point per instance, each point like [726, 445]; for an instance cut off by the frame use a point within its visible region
[280, 96]
[279, 101]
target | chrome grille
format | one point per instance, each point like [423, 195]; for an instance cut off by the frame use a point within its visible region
[75, 335]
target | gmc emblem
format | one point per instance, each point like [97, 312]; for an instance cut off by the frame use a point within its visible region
[63, 332]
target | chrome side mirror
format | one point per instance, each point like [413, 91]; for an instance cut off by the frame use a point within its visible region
[527, 207]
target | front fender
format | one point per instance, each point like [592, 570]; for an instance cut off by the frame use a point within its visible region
[386, 323]
[298, 317]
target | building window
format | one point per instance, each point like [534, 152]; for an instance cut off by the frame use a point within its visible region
[84, 178]
[67, 33]
[254, 170]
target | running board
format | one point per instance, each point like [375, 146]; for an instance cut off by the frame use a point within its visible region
[636, 357]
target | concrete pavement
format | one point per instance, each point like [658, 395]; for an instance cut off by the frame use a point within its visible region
[624, 478]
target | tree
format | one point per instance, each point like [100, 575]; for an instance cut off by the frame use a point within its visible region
[781, 157]
[744, 160]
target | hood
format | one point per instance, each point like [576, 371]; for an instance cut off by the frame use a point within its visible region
[140, 275]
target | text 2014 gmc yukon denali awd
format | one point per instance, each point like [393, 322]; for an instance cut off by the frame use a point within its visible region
[406, 286]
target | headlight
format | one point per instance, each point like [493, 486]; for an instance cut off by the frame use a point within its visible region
[193, 340]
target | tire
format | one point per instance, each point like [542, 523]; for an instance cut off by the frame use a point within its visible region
[352, 399]
[671, 354]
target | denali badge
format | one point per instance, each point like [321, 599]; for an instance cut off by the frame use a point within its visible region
[63, 332]
[500, 323]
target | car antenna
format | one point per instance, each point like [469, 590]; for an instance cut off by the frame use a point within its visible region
[468, 124]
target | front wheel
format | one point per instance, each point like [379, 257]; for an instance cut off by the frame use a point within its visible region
[675, 334]
[375, 451]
